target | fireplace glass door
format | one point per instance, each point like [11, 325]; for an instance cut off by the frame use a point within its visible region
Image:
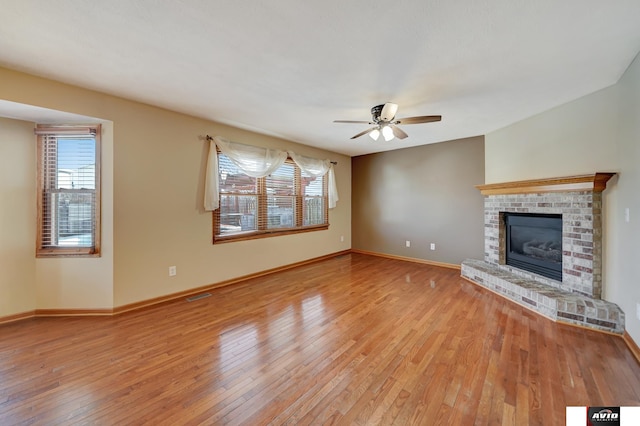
[534, 243]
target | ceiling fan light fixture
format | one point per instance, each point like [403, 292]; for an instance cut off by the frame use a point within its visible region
[387, 133]
[383, 118]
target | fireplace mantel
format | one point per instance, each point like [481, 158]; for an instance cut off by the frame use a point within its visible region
[596, 182]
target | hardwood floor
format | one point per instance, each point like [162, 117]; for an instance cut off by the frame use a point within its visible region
[350, 340]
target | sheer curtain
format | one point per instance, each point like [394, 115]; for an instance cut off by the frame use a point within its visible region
[211, 180]
[253, 160]
[315, 167]
[259, 162]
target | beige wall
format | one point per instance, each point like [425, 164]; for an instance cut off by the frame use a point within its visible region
[623, 260]
[597, 133]
[157, 173]
[17, 217]
[572, 139]
[423, 194]
[160, 177]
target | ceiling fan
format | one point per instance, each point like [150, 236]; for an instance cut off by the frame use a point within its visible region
[384, 120]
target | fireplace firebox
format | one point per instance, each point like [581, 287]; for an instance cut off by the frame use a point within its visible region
[534, 243]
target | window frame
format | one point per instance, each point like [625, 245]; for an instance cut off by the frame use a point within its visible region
[261, 211]
[43, 133]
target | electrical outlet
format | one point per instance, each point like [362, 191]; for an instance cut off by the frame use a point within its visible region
[638, 311]
[342, 238]
[408, 243]
[173, 271]
[432, 246]
[627, 215]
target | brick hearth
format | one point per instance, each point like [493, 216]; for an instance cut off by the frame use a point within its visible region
[552, 302]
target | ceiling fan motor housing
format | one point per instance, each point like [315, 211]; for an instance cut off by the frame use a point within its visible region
[375, 112]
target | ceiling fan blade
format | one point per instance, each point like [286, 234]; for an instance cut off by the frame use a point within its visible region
[363, 133]
[419, 119]
[398, 132]
[352, 121]
[388, 111]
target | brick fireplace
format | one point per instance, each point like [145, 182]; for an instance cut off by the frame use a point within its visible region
[576, 298]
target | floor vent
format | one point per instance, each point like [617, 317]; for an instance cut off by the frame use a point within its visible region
[198, 297]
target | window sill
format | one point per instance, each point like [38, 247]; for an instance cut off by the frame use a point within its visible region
[50, 253]
[222, 239]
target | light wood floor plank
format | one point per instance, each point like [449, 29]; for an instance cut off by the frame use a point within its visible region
[354, 339]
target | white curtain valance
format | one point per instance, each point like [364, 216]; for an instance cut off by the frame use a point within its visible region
[311, 166]
[259, 162]
[255, 161]
[315, 168]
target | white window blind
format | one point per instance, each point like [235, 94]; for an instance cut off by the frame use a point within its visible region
[69, 191]
[281, 197]
[238, 198]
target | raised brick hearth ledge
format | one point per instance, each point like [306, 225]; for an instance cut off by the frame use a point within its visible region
[574, 299]
[556, 304]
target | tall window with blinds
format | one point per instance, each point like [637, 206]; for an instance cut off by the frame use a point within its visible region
[286, 201]
[68, 191]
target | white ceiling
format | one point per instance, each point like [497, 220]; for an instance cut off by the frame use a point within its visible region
[289, 68]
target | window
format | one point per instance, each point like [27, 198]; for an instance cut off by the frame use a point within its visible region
[286, 201]
[68, 191]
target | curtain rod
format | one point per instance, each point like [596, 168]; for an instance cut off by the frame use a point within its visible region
[209, 138]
